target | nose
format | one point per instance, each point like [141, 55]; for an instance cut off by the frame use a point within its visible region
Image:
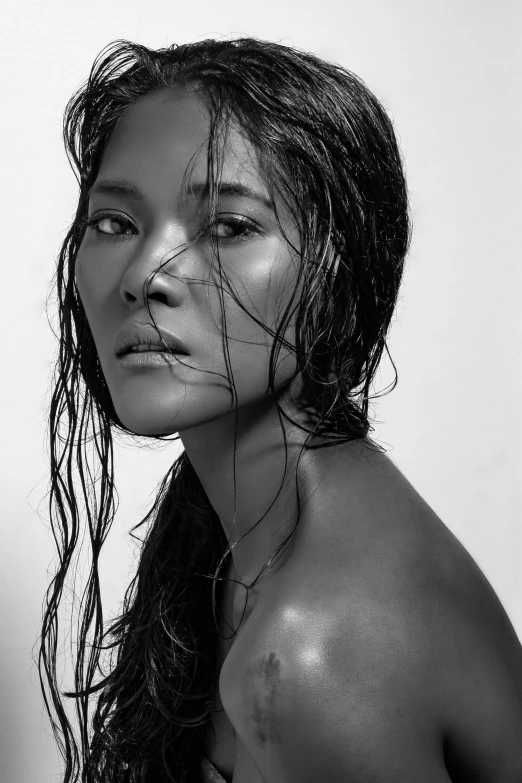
[155, 274]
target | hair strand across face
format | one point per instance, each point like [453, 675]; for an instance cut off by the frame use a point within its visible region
[326, 147]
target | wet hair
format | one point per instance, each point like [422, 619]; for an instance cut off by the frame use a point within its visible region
[327, 147]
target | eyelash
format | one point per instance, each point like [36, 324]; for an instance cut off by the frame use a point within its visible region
[248, 227]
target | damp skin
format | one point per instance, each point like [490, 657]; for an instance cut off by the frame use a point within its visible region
[162, 139]
[261, 684]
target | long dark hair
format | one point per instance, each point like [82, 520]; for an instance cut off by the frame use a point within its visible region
[326, 144]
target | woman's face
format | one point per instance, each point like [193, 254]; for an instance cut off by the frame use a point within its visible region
[161, 138]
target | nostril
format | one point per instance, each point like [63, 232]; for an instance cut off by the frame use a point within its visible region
[160, 297]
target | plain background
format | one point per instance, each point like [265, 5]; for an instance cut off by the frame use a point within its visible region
[450, 77]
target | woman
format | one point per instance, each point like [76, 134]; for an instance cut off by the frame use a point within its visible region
[298, 612]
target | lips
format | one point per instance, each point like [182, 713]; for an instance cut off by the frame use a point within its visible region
[147, 348]
[148, 336]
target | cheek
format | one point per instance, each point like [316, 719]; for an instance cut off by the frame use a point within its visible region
[83, 272]
[93, 290]
[281, 294]
[94, 280]
[266, 297]
[82, 284]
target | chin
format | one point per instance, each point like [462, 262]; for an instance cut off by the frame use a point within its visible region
[146, 428]
[145, 418]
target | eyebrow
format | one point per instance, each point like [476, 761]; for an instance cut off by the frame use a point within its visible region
[123, 187]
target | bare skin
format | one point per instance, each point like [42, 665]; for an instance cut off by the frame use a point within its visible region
[368, 559]
[153, 147]
[388, 552]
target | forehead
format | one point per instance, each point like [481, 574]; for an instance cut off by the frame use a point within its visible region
[168, 133]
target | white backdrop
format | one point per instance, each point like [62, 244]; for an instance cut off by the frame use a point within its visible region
[450, 77]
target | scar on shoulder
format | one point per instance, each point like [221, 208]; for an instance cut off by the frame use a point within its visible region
[260, 684]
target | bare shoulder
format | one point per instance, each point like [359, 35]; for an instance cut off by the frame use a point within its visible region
[413, 608]
[386, 638]
[479, 676]
[478, 662]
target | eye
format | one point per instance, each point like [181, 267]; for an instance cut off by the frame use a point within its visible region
[240, 227]
[108, 218]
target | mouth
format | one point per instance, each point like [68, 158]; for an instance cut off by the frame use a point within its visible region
[150, 358]
[148, 349]
[143, 337]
